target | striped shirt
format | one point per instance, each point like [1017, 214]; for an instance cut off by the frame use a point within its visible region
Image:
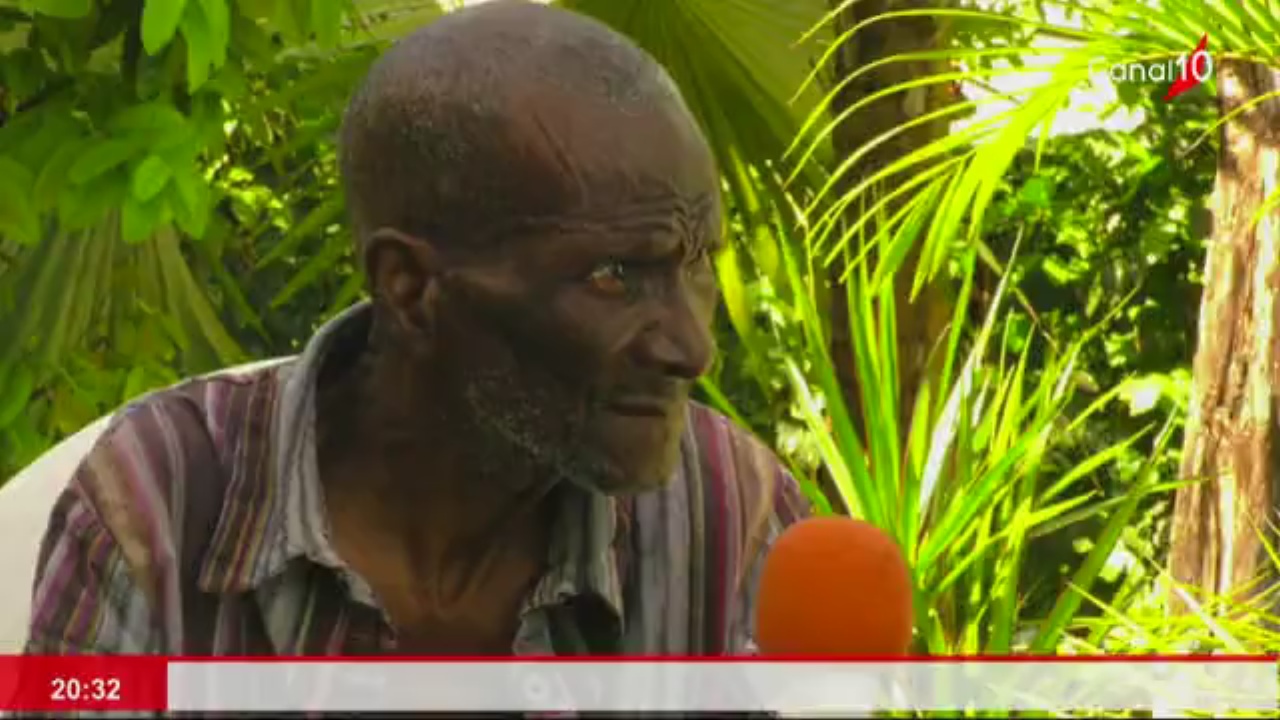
[196, 526]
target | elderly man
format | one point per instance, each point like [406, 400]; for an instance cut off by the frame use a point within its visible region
[496, 455]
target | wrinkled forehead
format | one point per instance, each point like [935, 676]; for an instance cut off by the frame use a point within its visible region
[594, 156]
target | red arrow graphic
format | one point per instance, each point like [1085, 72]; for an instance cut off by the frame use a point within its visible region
[1189, 78]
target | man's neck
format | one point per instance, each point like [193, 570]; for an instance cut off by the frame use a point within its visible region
[398, 455]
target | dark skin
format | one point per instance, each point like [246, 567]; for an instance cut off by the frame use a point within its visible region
[497, 377]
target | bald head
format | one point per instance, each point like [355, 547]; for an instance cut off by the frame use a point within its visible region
[509, 113]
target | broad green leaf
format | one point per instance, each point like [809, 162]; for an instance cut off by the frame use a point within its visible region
[68, 9]
[160, 20]
[150, 177]
[191, 204]
[150, 117]
[201, 52]
[230, 82]
[54, 175]
[102, 157]
[218, 17]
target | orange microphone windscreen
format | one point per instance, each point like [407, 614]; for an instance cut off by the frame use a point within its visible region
[834, 586]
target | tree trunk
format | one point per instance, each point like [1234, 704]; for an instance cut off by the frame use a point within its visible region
[1232, 434]
[920, 323]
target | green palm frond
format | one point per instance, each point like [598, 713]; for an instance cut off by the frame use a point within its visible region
[56, 293]
[738, 64]
[954, 178]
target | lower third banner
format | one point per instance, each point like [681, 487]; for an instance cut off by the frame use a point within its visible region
[569, 685]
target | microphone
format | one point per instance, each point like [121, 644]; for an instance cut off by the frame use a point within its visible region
[834, 586]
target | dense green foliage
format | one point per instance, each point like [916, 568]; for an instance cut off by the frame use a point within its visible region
[169, 205]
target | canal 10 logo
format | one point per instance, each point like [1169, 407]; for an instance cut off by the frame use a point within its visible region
[1182, 72]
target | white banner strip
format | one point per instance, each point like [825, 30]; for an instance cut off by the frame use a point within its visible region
[757, 686]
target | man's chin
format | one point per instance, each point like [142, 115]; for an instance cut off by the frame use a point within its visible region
[610, 454]
[631, 455]
[621, 477]
[625, 486]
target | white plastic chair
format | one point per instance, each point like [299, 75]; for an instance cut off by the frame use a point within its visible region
[26, 502]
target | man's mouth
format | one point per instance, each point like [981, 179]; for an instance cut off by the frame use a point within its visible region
[642, 406]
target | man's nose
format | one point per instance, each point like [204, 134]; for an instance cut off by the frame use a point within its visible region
[677, 342]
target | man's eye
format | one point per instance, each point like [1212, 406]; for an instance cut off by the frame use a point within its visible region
[609, 278]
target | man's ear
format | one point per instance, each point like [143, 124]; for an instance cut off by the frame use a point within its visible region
[404, 276]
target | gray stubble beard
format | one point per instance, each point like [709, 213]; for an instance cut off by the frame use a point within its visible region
[512, 424]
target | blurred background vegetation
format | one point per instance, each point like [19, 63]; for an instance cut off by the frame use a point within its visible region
[961, 297]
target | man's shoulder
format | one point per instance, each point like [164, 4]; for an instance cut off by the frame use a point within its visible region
[733, 450]
[198, 410]
[129, 496]
[159, 443]
[736, 467]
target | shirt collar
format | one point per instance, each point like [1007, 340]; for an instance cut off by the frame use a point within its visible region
[282, 518]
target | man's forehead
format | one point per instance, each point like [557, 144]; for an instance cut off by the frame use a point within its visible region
[638, 216]
[598, 154]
